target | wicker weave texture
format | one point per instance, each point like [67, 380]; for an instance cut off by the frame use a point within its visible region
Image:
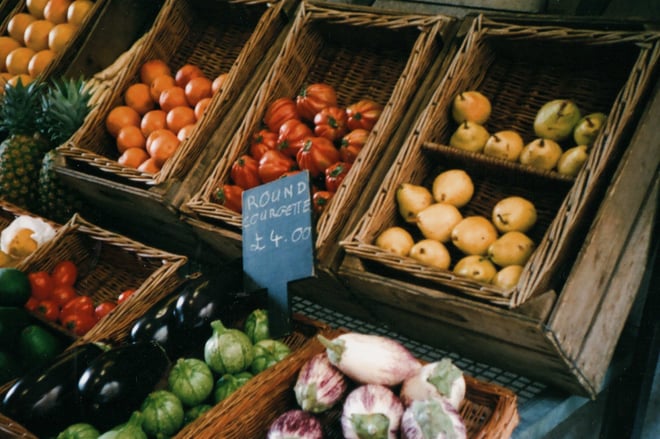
[219, 37]
[519, 68]
[392, 55]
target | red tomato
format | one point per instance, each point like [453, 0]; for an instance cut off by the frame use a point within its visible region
[314, 98]
[64, 273]
[273, 164]
[363, 114]
[351, 144]
[103, 309]
[63, 294]
[31, 304]
[292, 133]
[49, 309]
[331, 123]
[335, 174]
[320, 200]
[79, 323]
[278, 112]
[41, 284]
[245, 172]
[230, 196]
[78, 305]
[317, 154]
[262, 141]
[123, 297]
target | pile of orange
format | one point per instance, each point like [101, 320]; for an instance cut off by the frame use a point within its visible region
[159, 111]
[35, 36]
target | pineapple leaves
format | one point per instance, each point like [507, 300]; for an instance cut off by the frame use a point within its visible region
[64, 106]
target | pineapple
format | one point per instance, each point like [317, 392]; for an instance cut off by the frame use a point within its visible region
[23, 149]
[63, 110]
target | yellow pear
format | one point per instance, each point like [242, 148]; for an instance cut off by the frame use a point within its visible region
[588, 128]
[22, 244]
[431, 252]
[396, 240]
[471, 105]
[572, 160]
[512, 248]
[475, 267]
[6, 260]
[412, 198]
[508, 277]
[454, 187]
[473, 235]
[469, 136]
[514, 213]
[507, 145]
[541, 153]
[438, 220]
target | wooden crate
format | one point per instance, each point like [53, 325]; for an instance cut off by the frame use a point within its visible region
[395, 53]
[566, 335]
[519, 68]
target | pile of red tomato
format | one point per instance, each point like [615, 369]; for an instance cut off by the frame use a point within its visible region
[54, 297]
[309, 132]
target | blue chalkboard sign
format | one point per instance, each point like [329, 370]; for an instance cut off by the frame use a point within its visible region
[278, 242]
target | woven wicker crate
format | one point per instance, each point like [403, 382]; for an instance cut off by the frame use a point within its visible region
[64, 57]
[220, 37]
[489, 411]
[387, 65]
[520, 68]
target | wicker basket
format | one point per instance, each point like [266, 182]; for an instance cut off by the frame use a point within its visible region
[220, 37]
[386, 66]
[64, 57]
[488, 410]
[519, 68]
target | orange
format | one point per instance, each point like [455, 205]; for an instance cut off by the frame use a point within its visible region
[179, 117]
[36, 8]
[36, 34]
[23, 77]
[172, 97]
[4, 78]
[218, 81]
[60, 36]
[7, 44]
[119, 117]
[163, 132]
[160, 83]
[186, 73]
[56, 10]
[201, 107]
[18, 60]
[153, 120]
[130, 136]
[133, 157]
[149, 166]
[138, 97]
[163, 147]
[17, 25]
[184, 133]
[78, 11]
[40, 61]
[153, 68]
[197, 89]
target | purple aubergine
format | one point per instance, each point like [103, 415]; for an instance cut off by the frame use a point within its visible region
[371, 411]
[295, 424]
[371, 359]
[433, 418]
[320, 385]
[440, 378]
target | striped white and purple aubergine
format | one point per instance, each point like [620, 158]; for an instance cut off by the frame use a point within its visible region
[371, 411]
[440, 378]
[295, 424]
[320, 385]
[371, 359]
[433, 418]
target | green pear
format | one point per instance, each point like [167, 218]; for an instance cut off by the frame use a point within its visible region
[473, 235]
[512, 248]
[471, 105]
[507, 145]
[507, 277]
[514, 214]
[587, 128]
[572, 160]
[541, 153]
[453, 186]
[556, 119]
[469, 136]
[431, 252]
[475, 267]
[396, 240]
[412, 198]
[438, 220]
